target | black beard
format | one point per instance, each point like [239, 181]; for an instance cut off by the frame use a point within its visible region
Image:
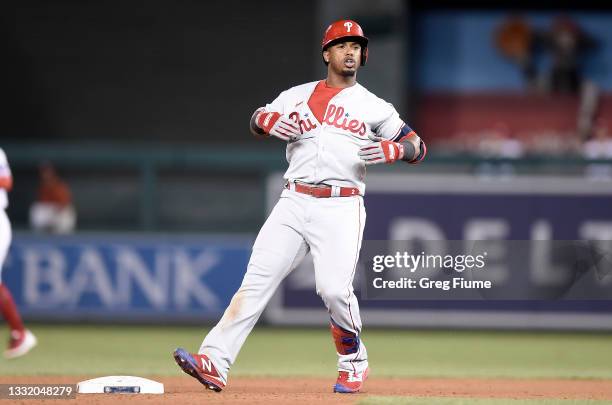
[348, 73]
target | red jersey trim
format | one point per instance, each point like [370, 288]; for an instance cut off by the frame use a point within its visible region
[319, 99]
[6, 183]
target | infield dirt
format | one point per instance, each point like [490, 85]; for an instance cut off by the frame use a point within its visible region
[185, 390]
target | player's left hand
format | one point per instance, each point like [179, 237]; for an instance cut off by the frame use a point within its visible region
[381, 151]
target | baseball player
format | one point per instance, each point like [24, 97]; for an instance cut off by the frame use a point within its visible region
[21, 340]
[334, 128]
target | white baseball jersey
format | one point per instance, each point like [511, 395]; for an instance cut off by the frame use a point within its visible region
[333, 131]
[5, 171]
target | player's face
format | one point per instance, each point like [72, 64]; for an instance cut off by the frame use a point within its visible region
[344, 57]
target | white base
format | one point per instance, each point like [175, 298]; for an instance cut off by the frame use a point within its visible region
[120, 384]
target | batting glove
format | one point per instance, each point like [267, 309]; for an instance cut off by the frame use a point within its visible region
[278, 125]
[381, 151]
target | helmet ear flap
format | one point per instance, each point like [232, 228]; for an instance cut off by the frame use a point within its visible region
[364, 55]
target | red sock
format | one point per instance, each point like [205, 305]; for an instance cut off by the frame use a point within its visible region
[9, 309]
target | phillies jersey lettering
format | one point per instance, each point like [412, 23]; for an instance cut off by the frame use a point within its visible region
[335, 116]
[327, 151]
[306, 125]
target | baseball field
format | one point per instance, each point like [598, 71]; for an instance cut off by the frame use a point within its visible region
[298, 366]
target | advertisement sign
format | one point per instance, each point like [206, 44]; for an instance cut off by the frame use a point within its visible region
[118, 277]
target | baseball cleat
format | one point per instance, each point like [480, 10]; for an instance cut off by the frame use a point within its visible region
[349, 382]
[20, 343]
[200, 367]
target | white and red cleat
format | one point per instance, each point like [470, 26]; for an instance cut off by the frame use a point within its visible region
[20, 343]
[200, 367]
[349, 382]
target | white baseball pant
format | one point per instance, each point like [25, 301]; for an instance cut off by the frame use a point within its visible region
[331, 229]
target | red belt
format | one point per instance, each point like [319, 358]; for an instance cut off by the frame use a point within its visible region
[322, 190]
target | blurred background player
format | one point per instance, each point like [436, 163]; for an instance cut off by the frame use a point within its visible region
[21, 340]
[53, 211]
[516, 39]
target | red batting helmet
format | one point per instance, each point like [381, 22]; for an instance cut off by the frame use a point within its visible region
[345, 29]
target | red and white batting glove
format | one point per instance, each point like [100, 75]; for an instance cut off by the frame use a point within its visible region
[278, 125]
[381, 151]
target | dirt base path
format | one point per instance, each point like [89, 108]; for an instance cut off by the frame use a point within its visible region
[185, 390]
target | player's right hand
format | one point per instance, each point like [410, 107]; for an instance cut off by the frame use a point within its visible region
[278, 125]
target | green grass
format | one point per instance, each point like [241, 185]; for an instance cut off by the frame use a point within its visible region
[146, 350]
[490, 354]
[474, 401]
